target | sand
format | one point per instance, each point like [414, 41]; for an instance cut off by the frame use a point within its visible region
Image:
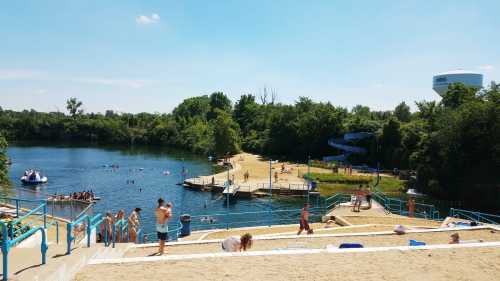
[320, 243]
[429, 265]
[258, 169]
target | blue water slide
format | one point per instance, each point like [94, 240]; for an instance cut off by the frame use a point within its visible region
[344, 145]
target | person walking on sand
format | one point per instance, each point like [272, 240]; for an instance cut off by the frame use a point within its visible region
[163, 214]
[275, 176]
[304, 220]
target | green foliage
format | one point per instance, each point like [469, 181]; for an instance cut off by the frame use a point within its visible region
[402, 112]
[341, 178]
[454, 145]
[226, 134]
[388, 185]
[73, 106]
[3, 160]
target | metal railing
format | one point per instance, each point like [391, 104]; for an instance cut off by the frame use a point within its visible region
[85, 221]
[336, 199]
[11, 237]
[256, 218]
[400, 207]
[173, 234]
[475, 216]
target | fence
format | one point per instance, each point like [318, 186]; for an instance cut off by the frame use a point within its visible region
[400, 207]
[11, 237]
[84, 222]
[257, 218]
[173, 234]
[475, 216]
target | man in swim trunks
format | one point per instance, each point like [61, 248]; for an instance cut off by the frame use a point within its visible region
[304, 217]
[163, 214]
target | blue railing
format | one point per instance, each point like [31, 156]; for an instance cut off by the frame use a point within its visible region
[88, 222]
[475, 216]
[334, 200]
[256, 218]
[400, 207]
[9, 238]
[173, 234]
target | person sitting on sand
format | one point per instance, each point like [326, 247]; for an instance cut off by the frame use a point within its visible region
[163, 214]
[400, 229]
[237, 244]
[455, 238]
[133, 224]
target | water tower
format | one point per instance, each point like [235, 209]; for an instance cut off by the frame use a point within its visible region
[441, 81]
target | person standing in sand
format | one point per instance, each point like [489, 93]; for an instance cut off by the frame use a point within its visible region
[163, 214]
[133, 225]
[304, 220]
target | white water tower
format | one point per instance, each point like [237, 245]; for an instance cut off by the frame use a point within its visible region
[441, 81]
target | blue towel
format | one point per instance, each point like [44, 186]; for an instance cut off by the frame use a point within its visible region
[350, 245]
[416, 243]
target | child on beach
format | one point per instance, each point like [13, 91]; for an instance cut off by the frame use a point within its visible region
[237, 244]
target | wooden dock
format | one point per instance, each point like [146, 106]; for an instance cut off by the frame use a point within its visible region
[249, 189]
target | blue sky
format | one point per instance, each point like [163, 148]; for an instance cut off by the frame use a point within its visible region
[135, 56]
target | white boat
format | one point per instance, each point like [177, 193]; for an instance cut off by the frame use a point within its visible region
[33, 177]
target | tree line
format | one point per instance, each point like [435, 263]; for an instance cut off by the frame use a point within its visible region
[453, 145]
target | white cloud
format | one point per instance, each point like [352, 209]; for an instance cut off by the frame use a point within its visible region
[486, 67]
[128, 83]
[143, 19]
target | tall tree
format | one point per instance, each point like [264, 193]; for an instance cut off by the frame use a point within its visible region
[73, 105]
[402, 112]
[226, 134]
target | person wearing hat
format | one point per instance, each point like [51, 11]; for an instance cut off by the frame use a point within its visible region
[133, 225]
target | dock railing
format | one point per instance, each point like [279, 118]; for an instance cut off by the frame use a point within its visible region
[475, 216]
[11, 237]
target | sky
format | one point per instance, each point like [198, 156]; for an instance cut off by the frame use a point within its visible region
[147, 56]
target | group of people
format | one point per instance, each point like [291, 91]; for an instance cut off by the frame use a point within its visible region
[87, 195]
[32, 175]
[133, 226]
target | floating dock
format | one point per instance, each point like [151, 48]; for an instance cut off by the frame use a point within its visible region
[249, 189]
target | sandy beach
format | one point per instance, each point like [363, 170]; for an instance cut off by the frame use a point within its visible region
[443, 264]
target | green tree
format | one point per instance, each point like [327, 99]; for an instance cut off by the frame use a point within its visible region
[3, 160]
[73, 105]
[458, 94]
[402, 112]
[226, 134]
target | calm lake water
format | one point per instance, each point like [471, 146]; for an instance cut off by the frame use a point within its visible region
[74, 169]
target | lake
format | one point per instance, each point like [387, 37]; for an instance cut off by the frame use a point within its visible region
[73, 169]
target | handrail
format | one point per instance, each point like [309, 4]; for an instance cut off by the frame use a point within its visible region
[84, 210]
[253, 212]
[475, 216]
[92, 223]
[7, 244]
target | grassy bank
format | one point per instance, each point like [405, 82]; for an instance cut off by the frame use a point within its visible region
[329, 184]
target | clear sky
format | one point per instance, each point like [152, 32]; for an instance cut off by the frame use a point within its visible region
[147, 55]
